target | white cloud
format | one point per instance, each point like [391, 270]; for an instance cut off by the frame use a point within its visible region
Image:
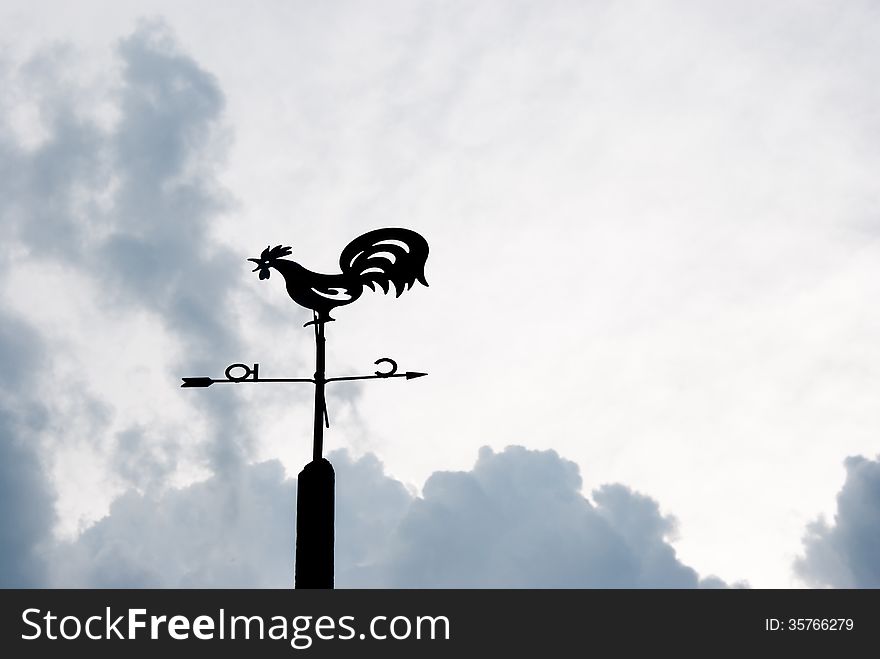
[517, 519]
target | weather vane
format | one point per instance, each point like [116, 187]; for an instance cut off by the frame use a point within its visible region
[385, 258]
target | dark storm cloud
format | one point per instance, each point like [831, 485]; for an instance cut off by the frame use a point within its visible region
[26, 500]
[158, 251]
[149, 245]
[130, 207]
[844, 554]
[369, 506]
[207, 535]
[26, 507]
[516, 520]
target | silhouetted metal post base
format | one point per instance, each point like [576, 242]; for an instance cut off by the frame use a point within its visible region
[315, 505]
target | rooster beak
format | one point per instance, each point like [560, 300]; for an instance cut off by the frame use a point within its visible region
[257, 261]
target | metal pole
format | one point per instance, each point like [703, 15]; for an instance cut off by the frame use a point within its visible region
[315, 496]
[320, 379]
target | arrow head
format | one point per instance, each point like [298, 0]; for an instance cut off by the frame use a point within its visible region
[412, 375]
[197, 382]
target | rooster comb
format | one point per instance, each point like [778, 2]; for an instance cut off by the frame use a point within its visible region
[276, 252]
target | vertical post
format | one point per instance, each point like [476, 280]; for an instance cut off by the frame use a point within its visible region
[315, 501]
[315, 497]
[320, 402]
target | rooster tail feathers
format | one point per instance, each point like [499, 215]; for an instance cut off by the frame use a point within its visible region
[386, 257]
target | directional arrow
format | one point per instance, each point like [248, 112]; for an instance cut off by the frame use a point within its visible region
[207, 382]
[409, 375]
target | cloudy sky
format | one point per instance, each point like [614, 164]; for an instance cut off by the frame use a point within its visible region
[650, 328]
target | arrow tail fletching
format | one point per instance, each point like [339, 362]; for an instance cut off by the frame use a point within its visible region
[197, 382]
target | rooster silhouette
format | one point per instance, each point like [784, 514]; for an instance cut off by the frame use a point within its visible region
[384, 257]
